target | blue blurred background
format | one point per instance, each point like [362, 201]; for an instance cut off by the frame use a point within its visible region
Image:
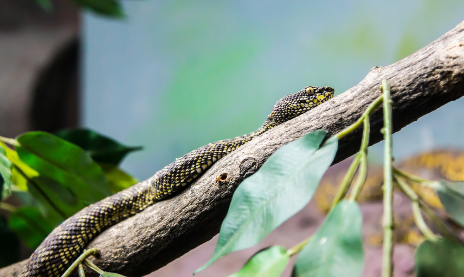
[175, 75]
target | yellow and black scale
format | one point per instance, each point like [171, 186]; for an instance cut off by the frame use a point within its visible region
[59, 250]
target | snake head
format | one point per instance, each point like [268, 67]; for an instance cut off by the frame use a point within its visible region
[298, 103]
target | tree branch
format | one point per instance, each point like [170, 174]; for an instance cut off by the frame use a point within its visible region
[420, 83]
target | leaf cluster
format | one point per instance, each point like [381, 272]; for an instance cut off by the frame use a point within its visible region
[55, 176]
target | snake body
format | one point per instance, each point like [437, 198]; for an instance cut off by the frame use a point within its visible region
[67, 241]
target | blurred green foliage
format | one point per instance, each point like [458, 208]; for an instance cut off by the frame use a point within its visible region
[55, 178]
[5, 172]
[440, 258]
[9, 244]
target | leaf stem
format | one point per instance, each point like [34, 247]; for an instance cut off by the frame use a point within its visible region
[7, 207]
[363, 166]
[82, 257]
[346, 182]
[387, 265]
[361, 157]
[437, 221]
[93, 267]
[99, 271]
[358, 123]
[361, 179]
[411, 177]
[409, 192]
[297, 248]
[9, 141]
[80, 270]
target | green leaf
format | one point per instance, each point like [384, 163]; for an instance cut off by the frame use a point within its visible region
[110, 8]
[56, 159]
[451, 195]
[5, 172]
[49, 201]
[283, 186]
[117, 179]
[336, 248]
[9, 244]
[30, 226]
[269, 262]
[102, 149]
[20, 184]
[442, 258]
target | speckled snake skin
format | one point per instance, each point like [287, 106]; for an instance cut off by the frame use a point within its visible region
[67, 241]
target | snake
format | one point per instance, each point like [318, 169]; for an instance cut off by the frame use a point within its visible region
[68, 240]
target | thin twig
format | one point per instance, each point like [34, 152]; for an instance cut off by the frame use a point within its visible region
[93, 267]
[346, 182]
[9, 141]
[437, 221]
[412, 177]
[358, 123]
[7, 207]
[409, 192]
[360, 157]
[361, 179]
[363, 166]
[387, 264]
[80, 270]
[78, 261]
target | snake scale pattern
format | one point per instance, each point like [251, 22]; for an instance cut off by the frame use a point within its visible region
[58, 251]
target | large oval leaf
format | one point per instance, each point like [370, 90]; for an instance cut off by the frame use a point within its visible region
[50, 202]
[101, 148]
[117, 179]
[442, 258]
[269, 262]
[64, 162]
[451, 195]
[336, 248]
[283, 186]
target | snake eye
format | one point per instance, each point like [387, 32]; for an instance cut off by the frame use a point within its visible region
[309, 90]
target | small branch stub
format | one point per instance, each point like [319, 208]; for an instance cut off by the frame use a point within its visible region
[223, 179]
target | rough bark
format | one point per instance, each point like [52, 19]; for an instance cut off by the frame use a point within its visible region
[420, 83]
